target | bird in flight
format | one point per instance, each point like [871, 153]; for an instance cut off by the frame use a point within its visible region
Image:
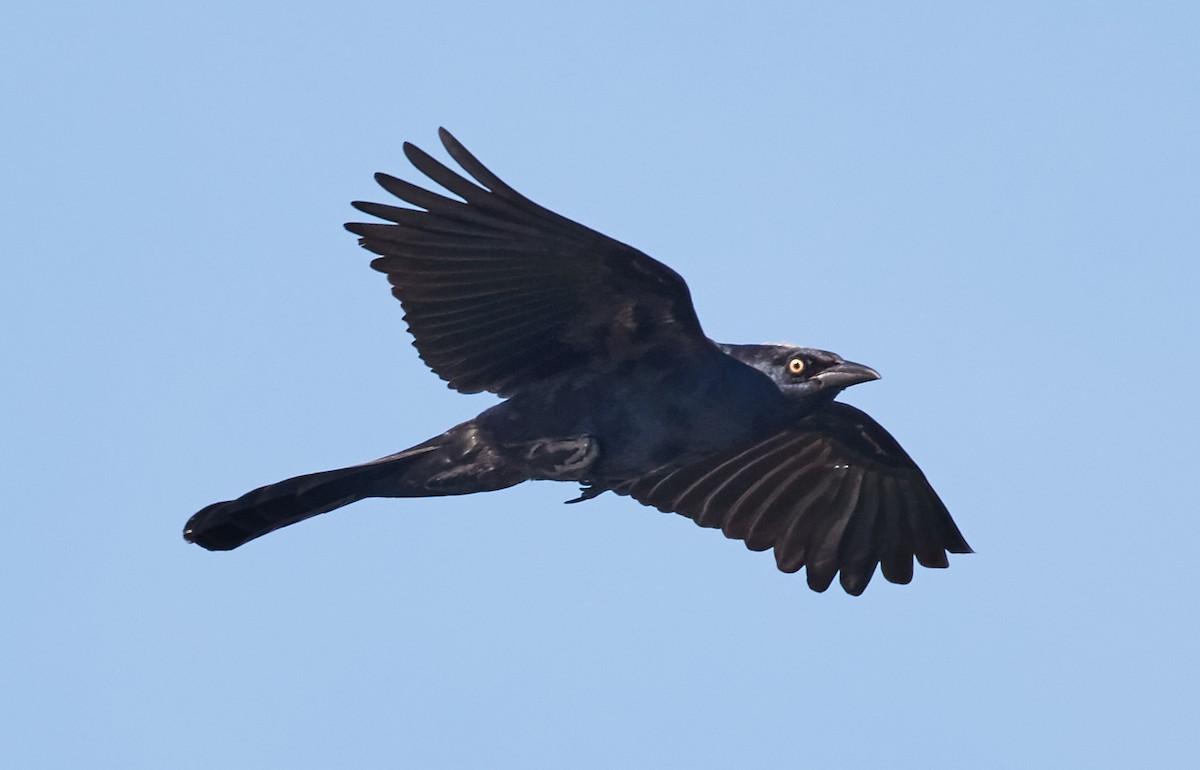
[610, 382]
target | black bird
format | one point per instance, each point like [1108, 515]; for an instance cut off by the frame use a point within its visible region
[610, 382]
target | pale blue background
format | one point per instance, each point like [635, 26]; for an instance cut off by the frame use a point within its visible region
[996, 207]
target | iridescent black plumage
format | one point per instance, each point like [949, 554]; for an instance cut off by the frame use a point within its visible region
[611, 382]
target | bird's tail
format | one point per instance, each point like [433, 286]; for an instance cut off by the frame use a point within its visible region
[460, 461]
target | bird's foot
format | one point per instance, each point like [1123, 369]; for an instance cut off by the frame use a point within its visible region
[558, 459]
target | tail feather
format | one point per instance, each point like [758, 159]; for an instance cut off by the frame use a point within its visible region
[457, 462]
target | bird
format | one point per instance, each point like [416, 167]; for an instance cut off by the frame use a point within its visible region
[609, 381]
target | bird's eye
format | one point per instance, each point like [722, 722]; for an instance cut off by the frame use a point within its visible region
[795, 366]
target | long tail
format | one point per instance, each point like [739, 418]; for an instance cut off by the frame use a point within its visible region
[458, 462]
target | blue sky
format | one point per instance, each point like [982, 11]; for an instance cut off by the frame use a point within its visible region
[995, 207]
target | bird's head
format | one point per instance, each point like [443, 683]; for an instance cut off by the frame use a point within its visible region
[804, 374]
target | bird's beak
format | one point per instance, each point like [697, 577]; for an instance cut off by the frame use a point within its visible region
[844, 375]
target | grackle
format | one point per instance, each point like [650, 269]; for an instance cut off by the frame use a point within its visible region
[610, 382]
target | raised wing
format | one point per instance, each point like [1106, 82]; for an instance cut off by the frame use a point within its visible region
[499, 292]
[833, 493]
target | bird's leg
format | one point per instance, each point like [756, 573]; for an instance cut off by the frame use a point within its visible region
[556, 459]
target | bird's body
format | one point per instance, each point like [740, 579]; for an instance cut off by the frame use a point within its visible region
[654, 411]
[610, 382]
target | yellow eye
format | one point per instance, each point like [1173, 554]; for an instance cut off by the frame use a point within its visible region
[795, 366]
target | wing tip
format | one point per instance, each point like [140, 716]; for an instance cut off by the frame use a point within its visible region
[358, 228]
[417, 156]
[452, 145]
[855, 580]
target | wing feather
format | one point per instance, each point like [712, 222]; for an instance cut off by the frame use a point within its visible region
[500, 293]
[832, 493]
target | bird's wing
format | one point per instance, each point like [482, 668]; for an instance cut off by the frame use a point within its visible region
[499, 292]
[833, 493]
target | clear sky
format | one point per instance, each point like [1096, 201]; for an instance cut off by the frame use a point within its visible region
[996, 207]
